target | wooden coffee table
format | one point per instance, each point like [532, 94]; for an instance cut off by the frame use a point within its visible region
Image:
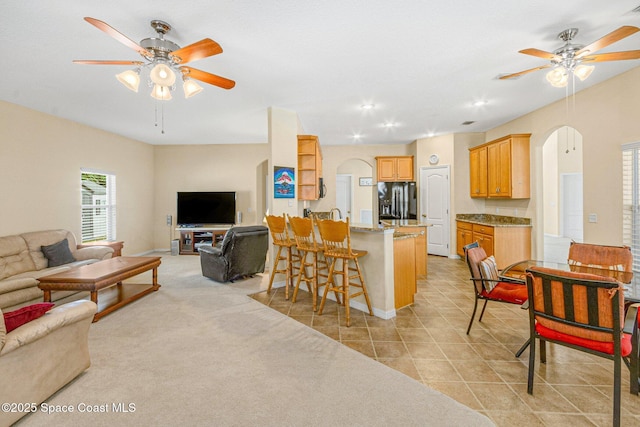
[105, 274]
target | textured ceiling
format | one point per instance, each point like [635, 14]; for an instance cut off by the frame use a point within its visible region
[422, 63]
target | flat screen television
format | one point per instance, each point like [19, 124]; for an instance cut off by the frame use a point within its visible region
[206, 207]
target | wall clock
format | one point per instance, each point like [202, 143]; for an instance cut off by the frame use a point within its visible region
[433, 159]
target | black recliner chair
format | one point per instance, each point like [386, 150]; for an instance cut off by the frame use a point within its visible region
[243, 252]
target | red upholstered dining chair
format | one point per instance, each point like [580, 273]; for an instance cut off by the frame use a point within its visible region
[584, 312]
[487, 285]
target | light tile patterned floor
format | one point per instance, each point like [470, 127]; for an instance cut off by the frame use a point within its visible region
[427, 342]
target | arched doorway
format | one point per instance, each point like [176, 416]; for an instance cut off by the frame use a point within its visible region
[354, 197]
[562, 192]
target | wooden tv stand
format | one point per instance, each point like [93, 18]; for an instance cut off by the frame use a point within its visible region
[191, 238]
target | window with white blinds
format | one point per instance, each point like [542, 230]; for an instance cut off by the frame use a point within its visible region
[631, 200]
[98, 206]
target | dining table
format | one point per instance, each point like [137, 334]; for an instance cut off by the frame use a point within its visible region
[517, 272]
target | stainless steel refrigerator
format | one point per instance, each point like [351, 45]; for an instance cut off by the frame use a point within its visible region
[397, 200]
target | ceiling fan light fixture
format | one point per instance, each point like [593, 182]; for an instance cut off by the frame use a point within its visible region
[130, 79]
[191, 88]
[161, 93]
[558, 77]
[162, 75]
[583, 71]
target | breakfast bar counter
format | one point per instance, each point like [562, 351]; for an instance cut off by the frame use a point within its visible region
[387, 277]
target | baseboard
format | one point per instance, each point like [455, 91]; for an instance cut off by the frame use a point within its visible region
[152, 251]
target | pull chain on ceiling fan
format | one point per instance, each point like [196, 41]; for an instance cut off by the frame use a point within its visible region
[163, 59]
[574, 60]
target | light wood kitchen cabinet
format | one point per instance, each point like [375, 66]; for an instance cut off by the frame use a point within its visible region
[478, 171]
[464, 233]
[394, 168]
[405, 283]
[508, 244]
[421, 248]
[506, 170]
[309, 167]
[484, 236]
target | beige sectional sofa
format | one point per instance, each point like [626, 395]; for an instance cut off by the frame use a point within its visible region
[41, 356]
[22, 262]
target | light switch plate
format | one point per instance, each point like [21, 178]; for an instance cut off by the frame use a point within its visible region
[593, 217]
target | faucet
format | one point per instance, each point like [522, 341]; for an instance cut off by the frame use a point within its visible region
[336, 209]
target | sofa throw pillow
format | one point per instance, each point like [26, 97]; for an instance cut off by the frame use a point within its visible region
[58, 253]
[3, 331]
[19, 317]
[489, 272]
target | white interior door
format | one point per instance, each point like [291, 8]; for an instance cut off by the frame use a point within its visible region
[343, 195]
[571, 205]
[434, 207]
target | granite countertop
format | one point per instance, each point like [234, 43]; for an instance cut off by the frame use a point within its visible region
[322, 215]
[404, 223]
[494, 220]
[404, 235]
[397, 235]
[391, 225]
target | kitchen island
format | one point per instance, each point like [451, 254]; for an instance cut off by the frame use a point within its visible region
[389, 269]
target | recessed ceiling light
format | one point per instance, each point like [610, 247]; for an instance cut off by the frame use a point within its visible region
[389, 125]
[367, 106]
[479, 103]
[357, 136]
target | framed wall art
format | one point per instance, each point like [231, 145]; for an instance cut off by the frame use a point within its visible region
[366, 181]
[284, 182]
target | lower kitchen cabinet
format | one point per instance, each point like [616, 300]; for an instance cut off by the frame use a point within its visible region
[507, 243]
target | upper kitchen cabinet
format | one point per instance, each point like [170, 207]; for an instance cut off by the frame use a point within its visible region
[309, 167]
[395, 168]
[478, 171]
[500, 168]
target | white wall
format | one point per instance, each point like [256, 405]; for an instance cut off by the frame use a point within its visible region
[207, 168]
[41, 157]
[606, 115]
[333, 156]
[362, 196]
[284, 128]
[40, 161]
[550, 155]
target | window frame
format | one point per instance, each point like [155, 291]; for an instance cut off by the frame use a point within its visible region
[631, 200]
[102, 205]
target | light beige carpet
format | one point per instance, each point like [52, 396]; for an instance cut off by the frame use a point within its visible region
[200, 353]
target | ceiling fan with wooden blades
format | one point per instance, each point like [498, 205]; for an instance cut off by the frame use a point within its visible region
[164, 59]
[574, 59]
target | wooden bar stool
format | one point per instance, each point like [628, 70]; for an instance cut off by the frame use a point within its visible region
[280, 235]
[336, 238]
[304, 234]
